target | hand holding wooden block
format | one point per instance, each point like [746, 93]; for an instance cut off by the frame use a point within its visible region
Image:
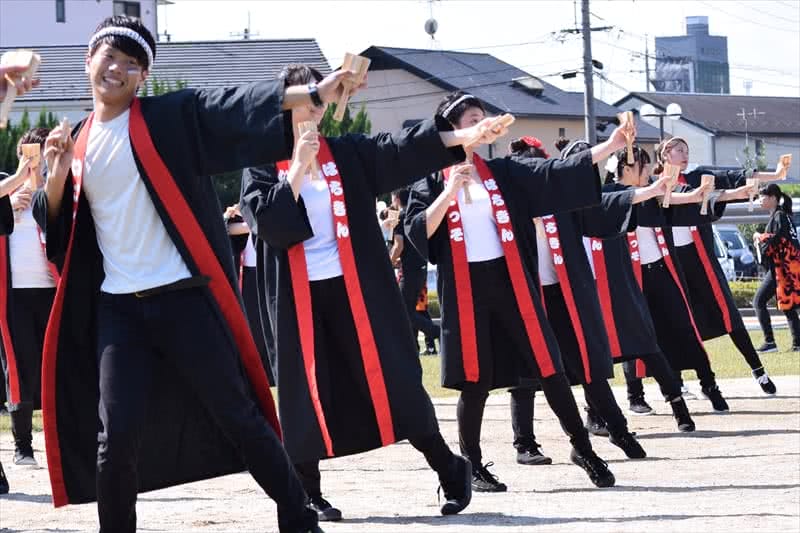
[359, 65]
[33, 152]
[784, 162]
[303, 127]
[753, 183]
[672, 172]
[627, 124]
[503, 121]
[16, 58]
[707, 182]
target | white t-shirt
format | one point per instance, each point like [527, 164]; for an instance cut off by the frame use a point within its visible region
[249, 257]
[29, 267]
[649, 250]
[547, 268]
[322, 250]
[682, 236]
[138, 253]
[480, 229]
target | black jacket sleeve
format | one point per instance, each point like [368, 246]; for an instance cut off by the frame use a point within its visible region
[270, 210]
[422, 195]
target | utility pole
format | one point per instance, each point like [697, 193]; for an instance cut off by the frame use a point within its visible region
[646, 63]
[588, 75]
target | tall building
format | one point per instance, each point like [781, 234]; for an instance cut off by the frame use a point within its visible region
[693, 63]
[25, 23]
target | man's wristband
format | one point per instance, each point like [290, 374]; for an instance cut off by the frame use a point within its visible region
[313, 93]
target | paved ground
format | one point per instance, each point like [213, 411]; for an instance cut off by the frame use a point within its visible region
[738, 471]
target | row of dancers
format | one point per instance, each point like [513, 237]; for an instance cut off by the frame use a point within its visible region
[146, 318]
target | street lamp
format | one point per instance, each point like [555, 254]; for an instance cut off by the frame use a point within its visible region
[673, 111]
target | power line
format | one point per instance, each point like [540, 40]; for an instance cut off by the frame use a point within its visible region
[765, 13]
[717, 8]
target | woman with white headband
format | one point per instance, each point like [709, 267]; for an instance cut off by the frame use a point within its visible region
[494, 329]
[713, 306]
[348, 372]
[147, 321]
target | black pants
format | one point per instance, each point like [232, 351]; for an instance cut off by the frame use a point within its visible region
[559, 396]
[411, 284]
[766, 291]
[657, 366]
[136, 336]
[29, 312]
[262, 333]
[30, 309]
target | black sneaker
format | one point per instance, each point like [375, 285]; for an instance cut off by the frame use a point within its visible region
[3, 410]
[457, 487]
[3, 481]
[795, 347]
[532, 455]
[485, 481]
[681, 413]
[717, 401]
[325, 511]
[764, 382]
[768, 347]
[595, 425]
[628, 444]
[597, 469]
[640, 407]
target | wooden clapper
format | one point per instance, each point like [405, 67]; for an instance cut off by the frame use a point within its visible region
[627, 124]
[14, 58]
[303, 127]
[504, 121]
[359, 65]
[672, 172]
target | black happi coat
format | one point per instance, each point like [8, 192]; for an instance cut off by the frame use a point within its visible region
[632, 324]
[368, 166]
[16, 388]
[195, 134]
[609, 219]
[714, 309]
[531, 188]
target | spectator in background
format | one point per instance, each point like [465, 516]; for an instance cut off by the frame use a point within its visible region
[413, 274]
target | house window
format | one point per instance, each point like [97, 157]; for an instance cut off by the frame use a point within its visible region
[562, 132]
[131, 9]
[61, 15]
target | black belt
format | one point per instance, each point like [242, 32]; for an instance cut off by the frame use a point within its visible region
[655, 264]
[186, 283]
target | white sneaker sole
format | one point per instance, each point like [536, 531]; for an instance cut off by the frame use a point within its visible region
[26, 461]
[648, 413]
[769, 350]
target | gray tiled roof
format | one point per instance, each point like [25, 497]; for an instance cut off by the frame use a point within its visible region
[200, 63]
[486, 77]
[717, 112]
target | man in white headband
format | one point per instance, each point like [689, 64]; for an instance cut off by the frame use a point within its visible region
[147, 322]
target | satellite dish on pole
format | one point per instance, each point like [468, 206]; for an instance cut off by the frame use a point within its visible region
[431, 26]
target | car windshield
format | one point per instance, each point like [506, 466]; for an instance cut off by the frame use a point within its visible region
[718, 249]
[732, 237]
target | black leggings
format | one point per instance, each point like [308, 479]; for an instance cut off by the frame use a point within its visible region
[598, 396]
[556, 389]
[657, 366]
[765, 292]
